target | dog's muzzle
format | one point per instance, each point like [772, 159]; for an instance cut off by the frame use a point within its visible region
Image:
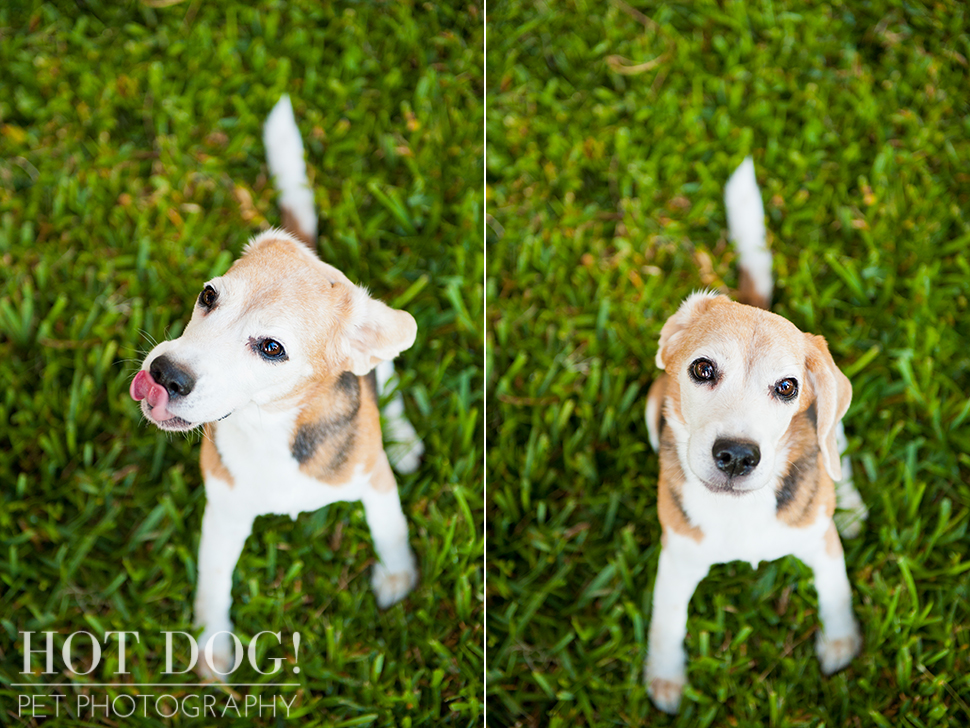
[163, 382]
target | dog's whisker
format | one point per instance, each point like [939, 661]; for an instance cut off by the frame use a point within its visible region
[149, 337]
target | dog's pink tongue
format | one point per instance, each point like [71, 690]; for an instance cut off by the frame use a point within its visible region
[140, 385]
[144, 387]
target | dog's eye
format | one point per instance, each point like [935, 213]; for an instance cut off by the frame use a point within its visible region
[702, 370]
[786, 389]
[272, 349]
[207, 299]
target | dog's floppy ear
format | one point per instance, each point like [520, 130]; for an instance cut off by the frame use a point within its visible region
[376, 333]
[372, 331]
[692, 307]
[833, 393]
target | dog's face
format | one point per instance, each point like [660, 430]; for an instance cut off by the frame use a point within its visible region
[739, 375]
[279, 318]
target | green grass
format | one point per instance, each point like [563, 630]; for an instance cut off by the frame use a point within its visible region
[603, 191]
[131, 170]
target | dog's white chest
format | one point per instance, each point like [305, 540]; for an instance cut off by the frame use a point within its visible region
[255, 448]
[746, 527]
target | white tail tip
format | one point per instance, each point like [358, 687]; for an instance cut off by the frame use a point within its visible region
[746, 225]
[284, 155]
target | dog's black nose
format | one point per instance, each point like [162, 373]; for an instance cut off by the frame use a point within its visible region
[736, 458]
[174, 378]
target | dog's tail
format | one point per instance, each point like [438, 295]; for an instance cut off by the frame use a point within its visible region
[284, 154]
[746, 225]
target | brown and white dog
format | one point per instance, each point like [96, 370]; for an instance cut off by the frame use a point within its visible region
[278, 365]
[747, 421]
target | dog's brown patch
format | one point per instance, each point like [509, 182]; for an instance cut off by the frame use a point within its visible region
[806, 485]
[747, 292]
[382, 477]
[833, 545]
[279, 274]
[209, 459]
[670, 506]
[292, 225]
[339, 429]
[709, 320]
[328, 437]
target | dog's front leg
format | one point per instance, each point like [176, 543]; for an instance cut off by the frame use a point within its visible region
[677, 577]
[224, 533]
[839, 640]
[395, 574]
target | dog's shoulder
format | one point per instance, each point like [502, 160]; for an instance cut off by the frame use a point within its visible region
[805, 484]
[338, 427]
[670, 503]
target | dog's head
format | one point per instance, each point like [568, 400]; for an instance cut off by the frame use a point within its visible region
[277, 319]
[738, 377]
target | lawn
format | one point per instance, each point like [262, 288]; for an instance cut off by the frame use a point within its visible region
[131, 171]
[612, 127]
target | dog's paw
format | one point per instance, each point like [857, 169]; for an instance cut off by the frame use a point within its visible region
[222, 657]
[665, 679]
[836, 654]
[665, 694]
[391, 587]
[207, 672]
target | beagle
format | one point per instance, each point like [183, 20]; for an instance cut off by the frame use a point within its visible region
[747, 422]
[277, 365]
